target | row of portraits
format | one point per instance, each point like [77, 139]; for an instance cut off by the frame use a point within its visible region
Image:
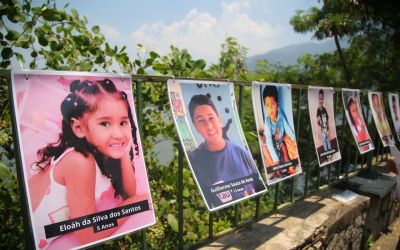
[82, 161]
[210, 131]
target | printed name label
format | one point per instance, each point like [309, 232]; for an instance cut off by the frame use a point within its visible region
[99, 221]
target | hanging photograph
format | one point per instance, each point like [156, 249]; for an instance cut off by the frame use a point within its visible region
[276, 134]
[81, 157]
[210, 132]
[395, 112]
[381, 122]
[355, 118]
[320, 106]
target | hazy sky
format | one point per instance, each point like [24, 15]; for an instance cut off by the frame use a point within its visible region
[199, 26]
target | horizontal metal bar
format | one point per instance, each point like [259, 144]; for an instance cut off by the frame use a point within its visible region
[159, 78]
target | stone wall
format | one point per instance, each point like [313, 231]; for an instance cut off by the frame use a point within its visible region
[352, 231]
[318, 222]
[343, 231]
[348, 235]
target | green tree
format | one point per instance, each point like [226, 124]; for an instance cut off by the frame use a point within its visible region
[373, 31]
[55, 39]
[333, 19]
[179, 63]
[309, 70]
[232, 61]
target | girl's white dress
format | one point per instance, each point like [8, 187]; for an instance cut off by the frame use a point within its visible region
[54, 206]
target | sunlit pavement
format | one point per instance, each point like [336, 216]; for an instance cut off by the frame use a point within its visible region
[388, 241]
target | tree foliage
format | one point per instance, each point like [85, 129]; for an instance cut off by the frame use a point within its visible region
[55, 38]
[179, 63]
[372, 29]
[49, 37]
[232, 61]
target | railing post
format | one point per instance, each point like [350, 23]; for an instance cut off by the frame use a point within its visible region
[29, 239]
[180, 197]
[378, 149]
[348, 160]
[143, 239]
[139, 115]
[329, 173]
[210, 226]
[139, 107]
[307, 166]
[276, 195]
[356, 160]
[260, 163]
[240, 111]
[335, 164]
[298, 111]
[257, 207]
[344, 121]
[371, 153]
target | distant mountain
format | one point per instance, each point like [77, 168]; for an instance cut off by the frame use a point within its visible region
[288, 55]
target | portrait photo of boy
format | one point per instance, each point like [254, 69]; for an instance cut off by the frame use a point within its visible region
[320, 105]
[221, 163]
[274, 119]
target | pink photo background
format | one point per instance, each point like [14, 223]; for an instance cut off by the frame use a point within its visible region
[37, 100]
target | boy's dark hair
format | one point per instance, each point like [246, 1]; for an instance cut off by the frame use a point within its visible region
[271, 91]
[198, 100]
[82, 99]
[321, 92]
[393, 99]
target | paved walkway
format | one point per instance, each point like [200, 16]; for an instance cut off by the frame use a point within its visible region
[389, 240]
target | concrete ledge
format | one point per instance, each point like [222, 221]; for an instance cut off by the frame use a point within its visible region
[314, 222]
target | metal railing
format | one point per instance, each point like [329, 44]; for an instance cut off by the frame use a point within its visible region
[288, 191]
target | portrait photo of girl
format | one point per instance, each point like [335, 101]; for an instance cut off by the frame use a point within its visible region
[210, 132]
[351, 102]
[395, 112]
[274, 119]
[380, 118]
[81, 156]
